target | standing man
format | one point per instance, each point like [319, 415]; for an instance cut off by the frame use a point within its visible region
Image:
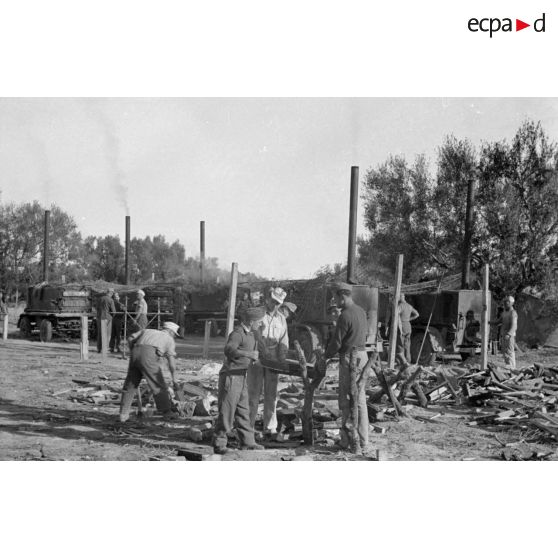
[273, 343]
[350, 333]
[240, 352]
[117, 321]
[406, 315]
[105, 311]
[141, 310]
[147, 348]
[508, 323]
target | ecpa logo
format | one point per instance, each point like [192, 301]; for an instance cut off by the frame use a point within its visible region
[492, 25]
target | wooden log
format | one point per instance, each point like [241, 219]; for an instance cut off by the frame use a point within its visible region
[84, 340]
[387, 388]
[422, 400]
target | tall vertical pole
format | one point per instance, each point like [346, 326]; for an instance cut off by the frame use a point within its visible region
[353, 212]
[202, 250]
[395, 311]
[46, 254]
[127, 252]
[466, 262]
[232, 298]
[485, 327]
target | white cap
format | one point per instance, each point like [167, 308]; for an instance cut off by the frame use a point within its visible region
[140, 292]
[171, 326]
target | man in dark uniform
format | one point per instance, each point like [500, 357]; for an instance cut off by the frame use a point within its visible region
[117, 321]
[147, 348]
[105, 311]
[240, 352]
[350, 333]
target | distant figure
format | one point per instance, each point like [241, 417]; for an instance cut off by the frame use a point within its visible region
[243, 304]
[141, 310]
[472, 329]
[508, 329]
[105, 311]
[406, 315]
[117, 321]
[288, 309]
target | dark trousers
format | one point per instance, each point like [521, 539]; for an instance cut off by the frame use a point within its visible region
[233, 404]
[109, 329]
[403, 348]
[116, 334]
[144, 363]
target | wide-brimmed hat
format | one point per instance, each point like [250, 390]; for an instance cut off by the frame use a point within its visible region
[140, 292]
[278, 294]
[172, 327]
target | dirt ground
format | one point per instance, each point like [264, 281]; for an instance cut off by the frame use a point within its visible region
[38, 421]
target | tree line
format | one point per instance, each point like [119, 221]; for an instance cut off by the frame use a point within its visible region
[418, 209]
[77, 259]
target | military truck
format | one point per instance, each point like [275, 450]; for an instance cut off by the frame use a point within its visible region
[446, 332]
[56, 309]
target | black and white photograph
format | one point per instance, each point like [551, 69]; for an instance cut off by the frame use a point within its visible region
[279, 279]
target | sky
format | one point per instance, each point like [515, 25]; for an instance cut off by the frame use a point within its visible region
[269, 176]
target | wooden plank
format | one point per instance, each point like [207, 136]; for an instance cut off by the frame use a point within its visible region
[104, 338]
[84, 341]
[394, 311]
[206, 336]
[485, 327]
[232, 298]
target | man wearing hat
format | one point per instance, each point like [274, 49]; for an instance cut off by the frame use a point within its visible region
[240, 352]
[350, 333]
[105, 311]
[273, 343]
[141, 310]
[508, 323]
[147, 348]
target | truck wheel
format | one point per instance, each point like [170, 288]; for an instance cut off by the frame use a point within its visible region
[427, 356]
[45, 331]
[25, 327]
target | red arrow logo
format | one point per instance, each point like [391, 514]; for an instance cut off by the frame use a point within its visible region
[519, 25]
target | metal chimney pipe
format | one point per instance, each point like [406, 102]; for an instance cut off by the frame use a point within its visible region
[202, 250]
[353, 210]
[127, 252]
[466, 262]
[46, 254]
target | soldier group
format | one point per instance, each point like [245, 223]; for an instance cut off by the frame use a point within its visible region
[262, 336]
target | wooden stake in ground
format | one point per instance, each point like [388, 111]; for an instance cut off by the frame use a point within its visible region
[232, 299]
[5, 329]
[394, 312]
[104, 338]
[84, 342]
[485, 327]
[206, 336]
